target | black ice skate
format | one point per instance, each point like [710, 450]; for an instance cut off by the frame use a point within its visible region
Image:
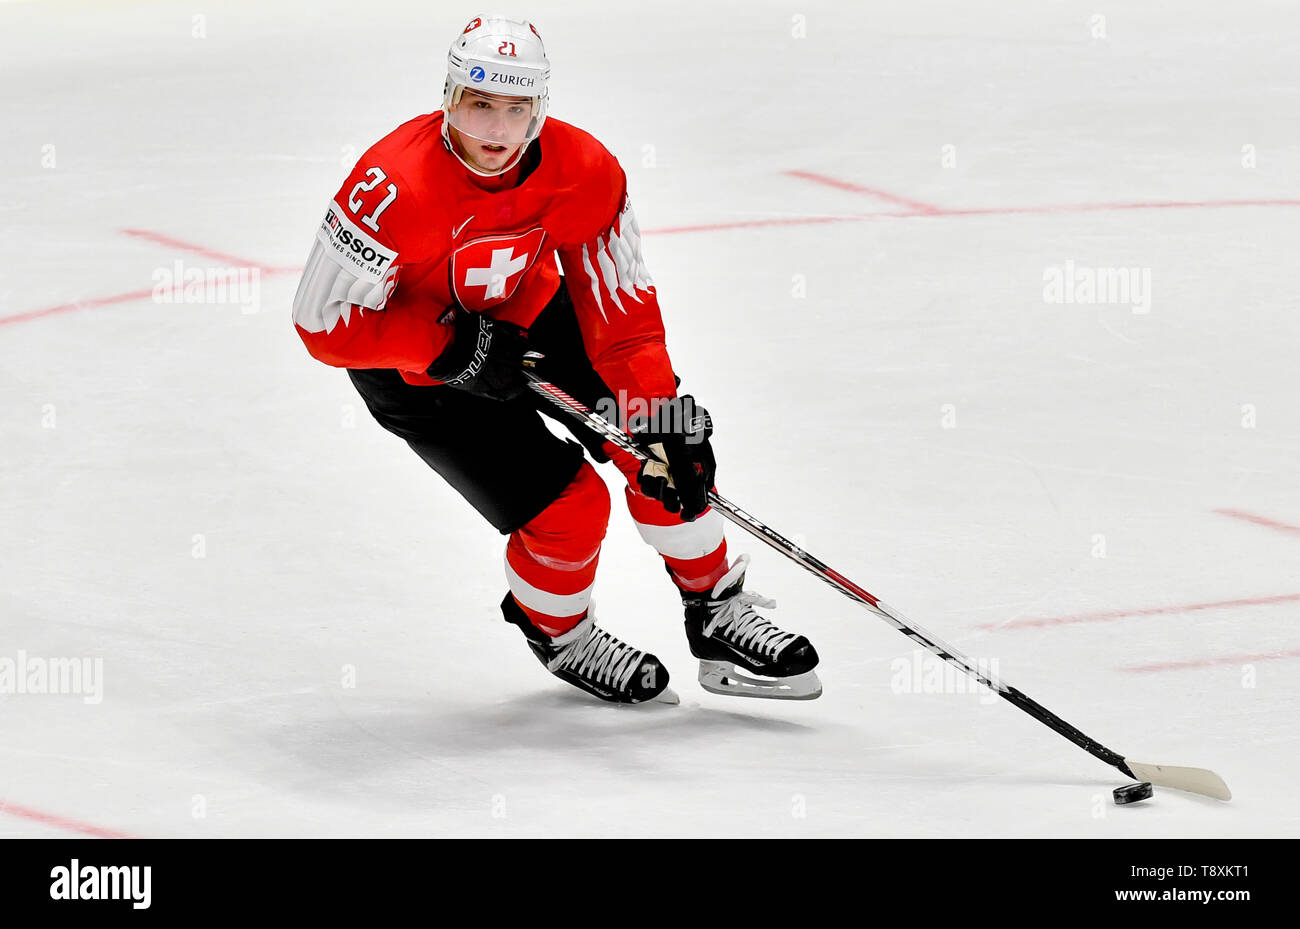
[731, 639]
[593, 660]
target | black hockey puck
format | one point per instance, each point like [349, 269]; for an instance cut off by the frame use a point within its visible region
[1132, 793]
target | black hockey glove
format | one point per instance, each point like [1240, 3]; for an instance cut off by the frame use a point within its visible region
[485, 356]
[682, 472]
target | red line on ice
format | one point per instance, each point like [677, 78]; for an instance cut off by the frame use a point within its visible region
[76, 305]
[869, 191]
[160, 239]
[1206, 662]
[1101, 207]
[918, 209]
[170, 242]
[105, 301]
[1108, 615]
[70, 825]
[940, 212]
[760, 223]
[1260, 520]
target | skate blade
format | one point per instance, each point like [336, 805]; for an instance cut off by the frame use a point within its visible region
[723, 677]
[667, 695]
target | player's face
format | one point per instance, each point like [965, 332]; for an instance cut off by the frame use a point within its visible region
[489, 129]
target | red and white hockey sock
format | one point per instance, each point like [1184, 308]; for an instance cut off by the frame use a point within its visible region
[695, 552]
[551, 561]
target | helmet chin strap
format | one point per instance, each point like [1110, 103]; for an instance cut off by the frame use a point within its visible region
[452, 147]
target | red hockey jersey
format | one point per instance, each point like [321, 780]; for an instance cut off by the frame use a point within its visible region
[412, 232]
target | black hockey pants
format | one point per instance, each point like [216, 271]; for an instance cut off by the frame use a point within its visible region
[497, 455]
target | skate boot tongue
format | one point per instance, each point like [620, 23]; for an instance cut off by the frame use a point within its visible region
[735, 577]
[731, 604]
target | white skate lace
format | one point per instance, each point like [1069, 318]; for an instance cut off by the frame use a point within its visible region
[739, 623]
[597, 655]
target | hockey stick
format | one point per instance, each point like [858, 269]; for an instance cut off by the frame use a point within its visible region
[1194, 780]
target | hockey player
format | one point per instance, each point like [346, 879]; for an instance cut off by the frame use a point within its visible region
[435, 269]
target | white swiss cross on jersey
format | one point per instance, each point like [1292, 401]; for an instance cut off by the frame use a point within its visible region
[486, 271]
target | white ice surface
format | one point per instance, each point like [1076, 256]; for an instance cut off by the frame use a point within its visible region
[135, 435]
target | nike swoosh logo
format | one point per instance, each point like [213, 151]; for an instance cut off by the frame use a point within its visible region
[456, 232]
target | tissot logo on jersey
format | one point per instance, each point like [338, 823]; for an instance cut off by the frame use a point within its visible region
[353, 248]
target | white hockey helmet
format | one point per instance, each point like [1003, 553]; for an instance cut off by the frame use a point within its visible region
[499, 57]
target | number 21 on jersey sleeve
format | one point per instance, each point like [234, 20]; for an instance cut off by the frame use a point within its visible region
[377, 177]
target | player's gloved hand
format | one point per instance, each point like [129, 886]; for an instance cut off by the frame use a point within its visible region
[485, 356]
[681, 473]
